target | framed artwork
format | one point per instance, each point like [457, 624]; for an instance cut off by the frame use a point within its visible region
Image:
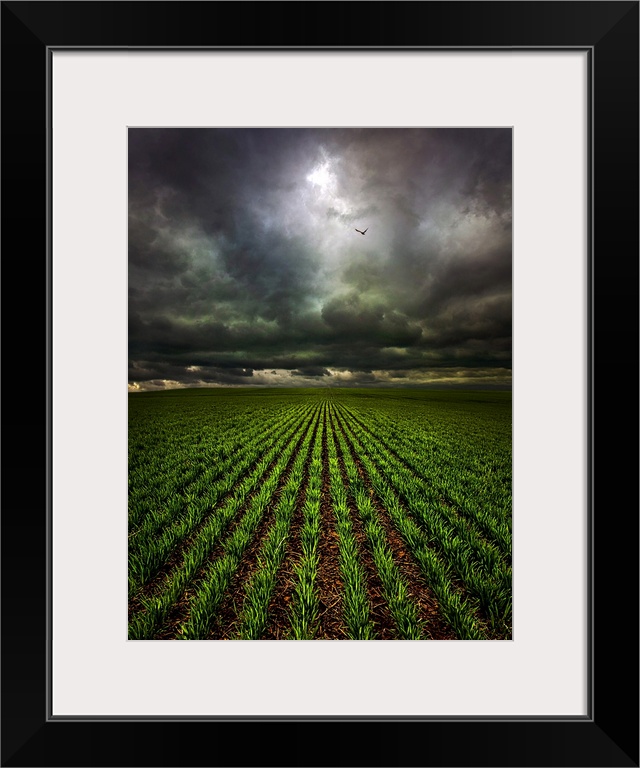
[399, 205]
[345, 471]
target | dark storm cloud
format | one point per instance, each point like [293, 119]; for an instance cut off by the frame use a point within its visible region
[354, 321]
[245, 267]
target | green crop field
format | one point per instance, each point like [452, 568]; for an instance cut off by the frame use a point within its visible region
[324, 514]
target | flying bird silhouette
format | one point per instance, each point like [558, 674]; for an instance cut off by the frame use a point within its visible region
[360, 231]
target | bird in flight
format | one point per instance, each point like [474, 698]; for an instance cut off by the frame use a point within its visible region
[360, 231]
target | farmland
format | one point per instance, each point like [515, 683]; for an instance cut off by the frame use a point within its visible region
[320, 514]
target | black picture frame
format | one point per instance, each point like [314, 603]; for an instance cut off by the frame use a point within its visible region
[608, 736]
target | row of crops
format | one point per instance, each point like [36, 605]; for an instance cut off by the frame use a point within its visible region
[319, 514]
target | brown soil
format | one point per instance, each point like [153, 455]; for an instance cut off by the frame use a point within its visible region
[180, 611]
[175, 558]
[279, 605]
[329, 583]
[419, 590]
[329, 579]
[384, 625]
[461, 514]
[456, 582]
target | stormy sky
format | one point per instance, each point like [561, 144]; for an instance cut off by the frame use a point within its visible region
[245, 266]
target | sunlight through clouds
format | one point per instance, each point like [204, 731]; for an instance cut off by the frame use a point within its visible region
[245, 266]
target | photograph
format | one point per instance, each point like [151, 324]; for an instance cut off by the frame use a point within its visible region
[319, 404]
[317, 287]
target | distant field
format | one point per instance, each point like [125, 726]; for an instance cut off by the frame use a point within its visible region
[320, 514]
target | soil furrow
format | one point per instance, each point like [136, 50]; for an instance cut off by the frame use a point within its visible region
[331, 625]
[464, 516]
[180, 611]
[337, 520]
[279, 606]
[457, 584]
[384, 624]
[182, 487]
[224, 625]
[175, 558]
[234, 455]
[420, 591]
